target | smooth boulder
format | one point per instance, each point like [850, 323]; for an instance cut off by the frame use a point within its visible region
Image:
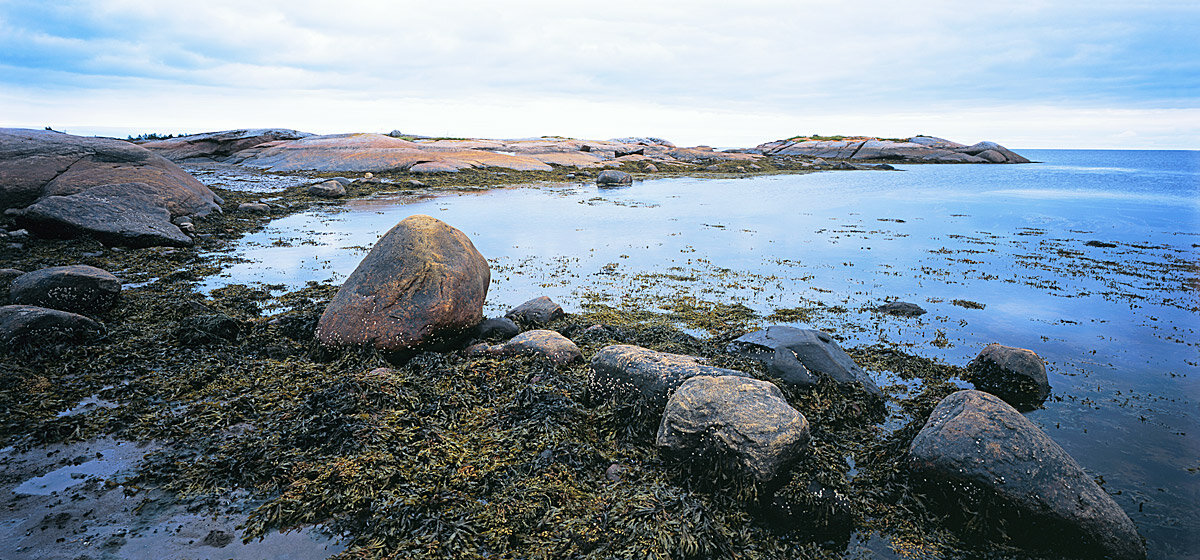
[745, 419]
[501, 328]
[553, 346]
[817, 351]
[1016, 375]
[28, 325]
[422, 282]
[76, 289]
[614, 177]
[537, 311]
[327, 189]
[623, 369]
[975, 445]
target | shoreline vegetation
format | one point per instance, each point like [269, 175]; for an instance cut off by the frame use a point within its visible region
[245, 425]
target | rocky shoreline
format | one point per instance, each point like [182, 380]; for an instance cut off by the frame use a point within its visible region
[416, 428]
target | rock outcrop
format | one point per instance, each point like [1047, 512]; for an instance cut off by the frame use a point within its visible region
[925, 149]
[219, 146]
[1016, 375]
[623, 369]
[29, 325]
[744, 419]
[112, 189]
[421, 282]
[76, 289]
[815, 351]
[975, 446]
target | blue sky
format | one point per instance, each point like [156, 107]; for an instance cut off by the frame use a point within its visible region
[1026, 74]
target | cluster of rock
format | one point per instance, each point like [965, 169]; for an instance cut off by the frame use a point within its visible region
[924, 149]
[50, 305]
[288, 150]
[59, 185]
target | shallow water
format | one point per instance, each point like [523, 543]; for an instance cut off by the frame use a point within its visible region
[1117, 324]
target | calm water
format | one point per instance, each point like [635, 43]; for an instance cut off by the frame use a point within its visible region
[1117, 324]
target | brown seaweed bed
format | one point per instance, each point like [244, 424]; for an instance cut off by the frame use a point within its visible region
[446, 455]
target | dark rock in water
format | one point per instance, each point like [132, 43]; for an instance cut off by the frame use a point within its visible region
[215, 328]
[129, 214]
[78, 183]
[76, 288]
[1103, 244]
[327, 189]
[22, 325]
[745, 419]
[1016, 375]
[537, 311]
[977, 448]
[254, 208]
[501, 328]
[623, 369]
[614, 177]
[818, 351]
[556, 347]
[885, 167]
[901, 309]
[787, 367]
[7, 275]
[422, 282]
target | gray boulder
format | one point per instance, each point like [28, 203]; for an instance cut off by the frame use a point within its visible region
[72, 185]
[327, 189]
[1016, 375]
[623, 369]
[614, 177]
[76, 289]
[422, 282]
[537, 311]
[977, 149]
[556, 347]
[28, 325]
[501, 328]
[786, 367]
[737, 417]
[974, 444]
[817, 351]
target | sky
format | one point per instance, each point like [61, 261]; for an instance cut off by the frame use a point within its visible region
[1026, 74]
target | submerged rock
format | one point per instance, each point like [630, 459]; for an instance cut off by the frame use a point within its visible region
[653, 376]
[421, 282]
[745, 419]
[75, 288]
[901, 309]
[817, 351]
[1016, 375]
[614, 177]
[537, 311]
[22, 325]
[976, 447]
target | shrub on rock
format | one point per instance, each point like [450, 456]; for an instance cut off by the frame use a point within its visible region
[975, 447]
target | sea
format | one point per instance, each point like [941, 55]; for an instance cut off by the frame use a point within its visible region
[1091, 258]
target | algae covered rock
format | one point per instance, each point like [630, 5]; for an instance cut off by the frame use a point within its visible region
[422, 282]
[29, 325]
[976, 447]
[75, 289]
[727, 416]
[625, 369]
[537, 311]
[1016, 375]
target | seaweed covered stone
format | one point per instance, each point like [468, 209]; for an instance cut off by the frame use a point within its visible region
[537, 311]
[978, 449]
[624, 370]
[741, 418]
[75, 289]
[423, 282]
[29, 325]
[1016, 375]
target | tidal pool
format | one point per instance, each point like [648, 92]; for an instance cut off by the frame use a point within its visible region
[1090, 259]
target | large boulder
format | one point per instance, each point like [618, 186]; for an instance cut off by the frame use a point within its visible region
[76, 288]
[614, 177]
[976, 446]
[537, 311]
[221, 145]
[421, 282]
[1016, 375]
[622, 369]
[28, 325]
[744, 419]
[816, 351]
[72, 185]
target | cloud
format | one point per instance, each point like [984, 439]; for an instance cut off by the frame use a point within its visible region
[799, 60]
